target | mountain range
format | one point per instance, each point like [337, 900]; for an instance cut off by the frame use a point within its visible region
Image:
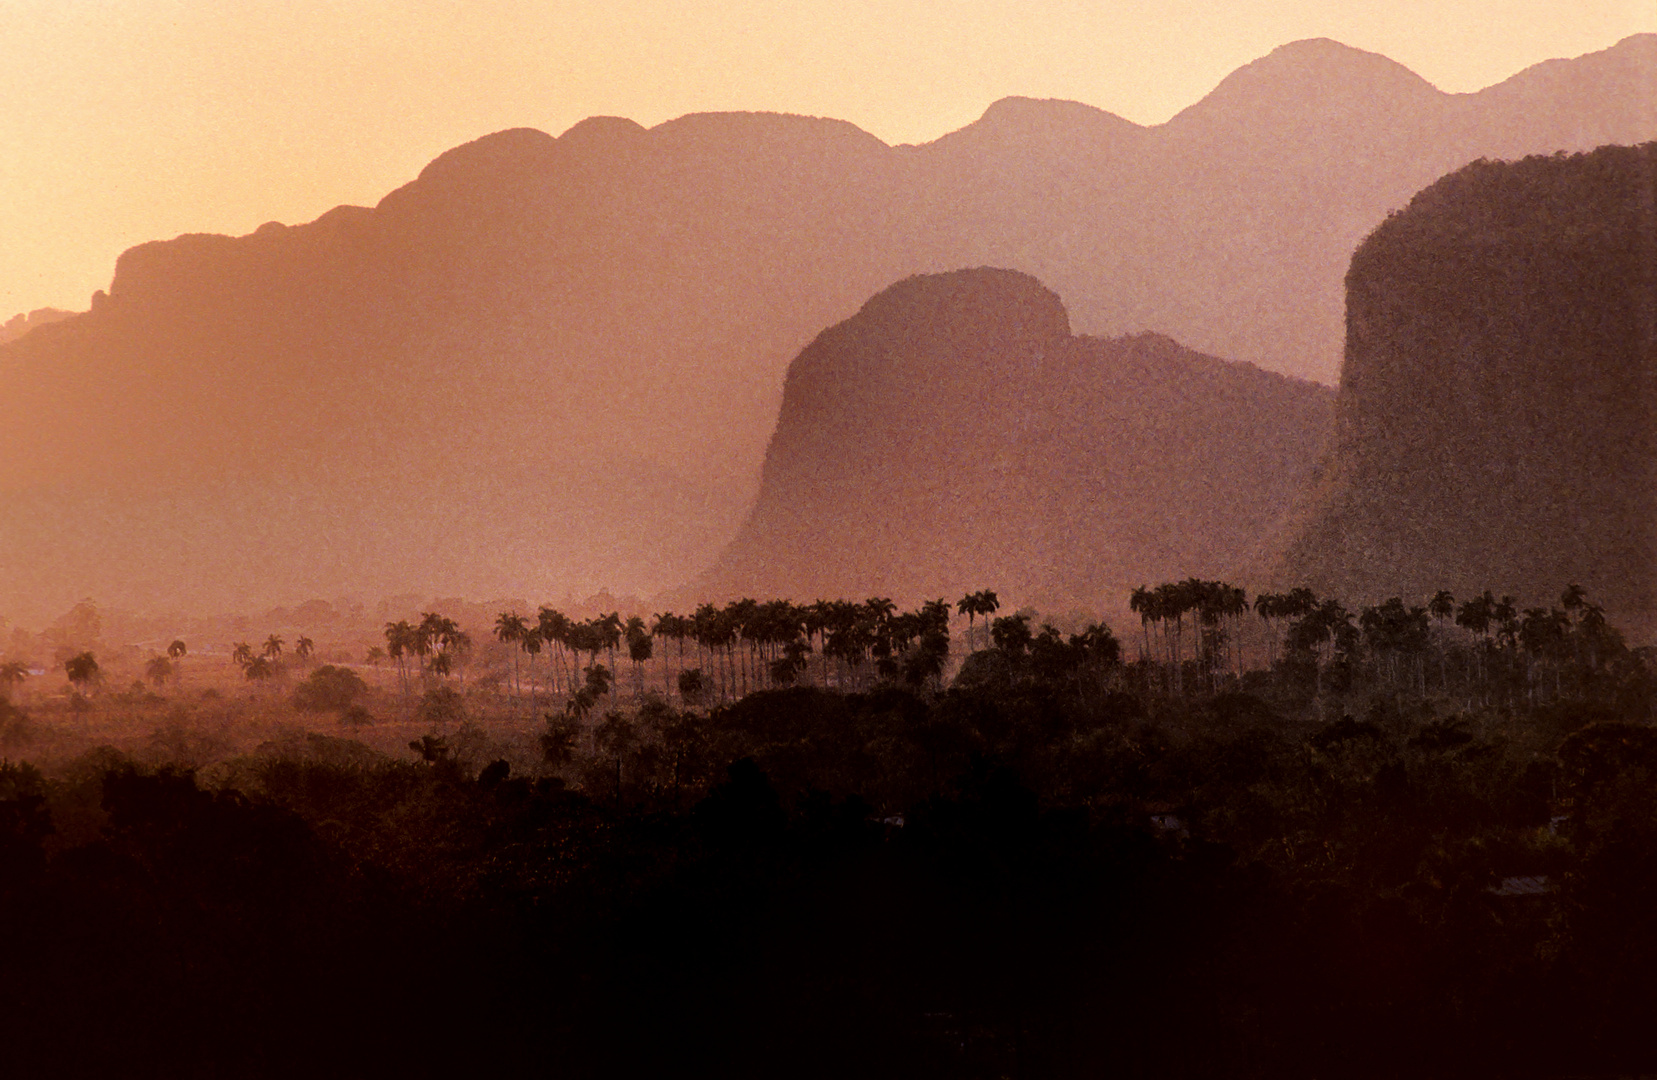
[555, 363]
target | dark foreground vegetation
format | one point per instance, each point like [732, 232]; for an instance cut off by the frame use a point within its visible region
[1408, 842]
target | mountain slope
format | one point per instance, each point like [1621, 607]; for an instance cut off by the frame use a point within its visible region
[1498, 407]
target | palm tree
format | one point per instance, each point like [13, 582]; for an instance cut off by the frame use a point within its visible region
[400, 642]
[968, 606]
[427, 633]
[440, 636]
[304, 647]
[609, 630]
[815, 620]
[1173, 601]
[639, 649]
[1442, 607]
[676, 628]
[555, 629]
[241, 654]
[273, 648]
[510, 629]
[983, 602]
[1139, 602]
[375, 657]
[530, 643]
[1234, 604]
[1475, 616]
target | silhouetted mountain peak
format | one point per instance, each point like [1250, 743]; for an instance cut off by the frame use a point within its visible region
[1051, 114]
[1636, 54]
[21, 324]
[601, 133]
[763, 130]
[1314, 77]
[1022, 125]
[931, 303]
[514, 151]
[988, 313]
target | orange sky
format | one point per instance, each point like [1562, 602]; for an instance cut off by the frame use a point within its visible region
[130, 120]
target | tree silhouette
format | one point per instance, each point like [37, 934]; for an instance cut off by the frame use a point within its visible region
[374, 658]
[639, 649]
[159, 670]
[440, 638]
[675, 628]
[273, 648]
[12, 674]
[1011, 634]
[1442, 608]
[510, 629]
[559, 741]
[82, 670]
[615, 738]
[530, 643]
[401, 641]
[556, 628]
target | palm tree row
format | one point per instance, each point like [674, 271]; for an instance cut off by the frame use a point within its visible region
[436, 644]
[261, 665]
[744, 646]
[1214, 609]
[1493, 647]
[1193, 641]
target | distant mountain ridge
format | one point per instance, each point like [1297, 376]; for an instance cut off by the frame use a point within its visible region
[953, 433]
[20, 324]
[570, 349]
[1498, 407]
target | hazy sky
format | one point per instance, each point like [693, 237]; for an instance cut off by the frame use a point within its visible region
[128, 120]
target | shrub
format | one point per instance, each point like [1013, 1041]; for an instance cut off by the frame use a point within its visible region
[329, 688]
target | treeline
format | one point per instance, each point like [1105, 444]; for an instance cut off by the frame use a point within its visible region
[1196, 637]
[1481, 650]
[1040, 868]
[746, 645]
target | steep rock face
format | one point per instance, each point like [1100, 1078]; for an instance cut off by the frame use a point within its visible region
[953, 434]
[553, 363]
[1498, 407]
